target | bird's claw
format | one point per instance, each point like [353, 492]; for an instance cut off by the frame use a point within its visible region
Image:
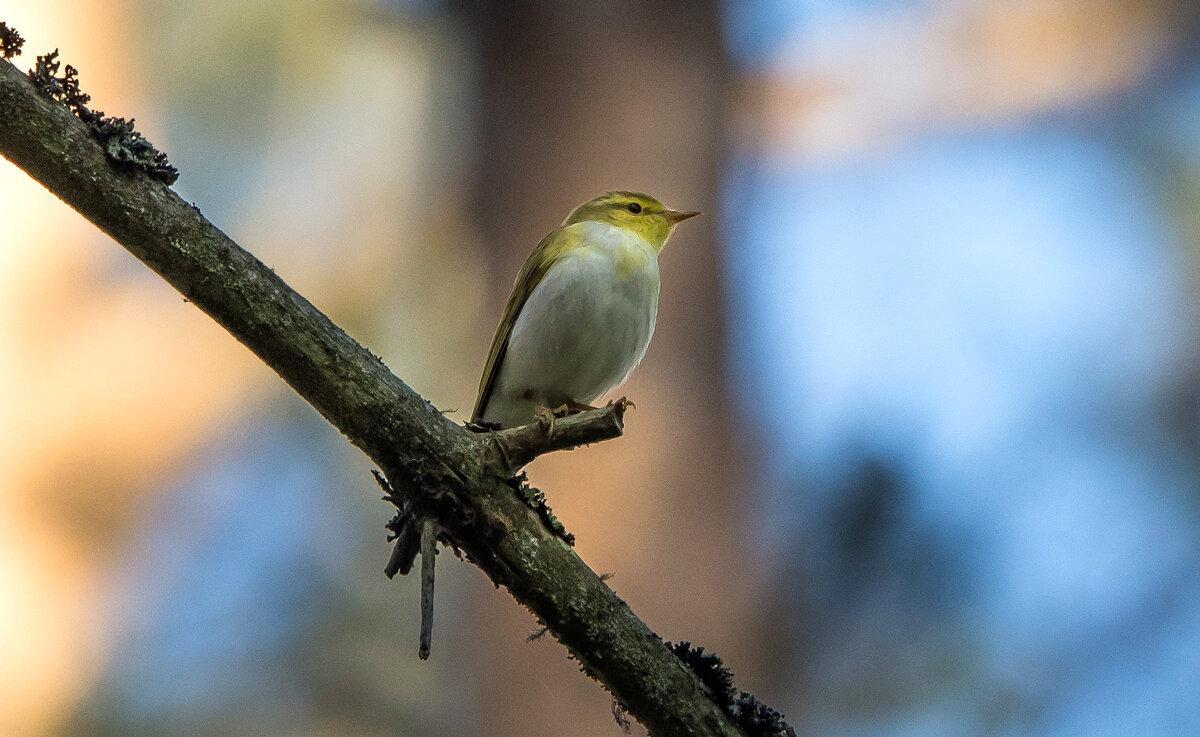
[546, 416]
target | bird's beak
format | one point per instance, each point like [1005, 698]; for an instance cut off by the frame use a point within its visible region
[676, 216]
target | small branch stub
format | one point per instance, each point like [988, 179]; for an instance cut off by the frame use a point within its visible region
[518, 446]
[429, 535]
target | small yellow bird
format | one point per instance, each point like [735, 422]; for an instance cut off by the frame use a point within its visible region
[581, 312]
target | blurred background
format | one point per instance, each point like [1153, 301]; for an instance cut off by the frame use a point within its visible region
[917, 442]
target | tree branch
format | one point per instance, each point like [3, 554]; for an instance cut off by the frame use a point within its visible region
[444, 471]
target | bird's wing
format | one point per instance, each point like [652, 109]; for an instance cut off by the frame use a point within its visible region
[548, 252]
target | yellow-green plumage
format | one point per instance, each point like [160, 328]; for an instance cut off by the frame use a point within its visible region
[588, 325]
[539, 262]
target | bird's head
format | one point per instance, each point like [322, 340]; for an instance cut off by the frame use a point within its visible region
[633, 211]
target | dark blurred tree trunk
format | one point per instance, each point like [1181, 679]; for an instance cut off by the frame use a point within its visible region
[578, 99]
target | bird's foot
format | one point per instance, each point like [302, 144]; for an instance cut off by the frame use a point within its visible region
[624, 403]
[574, 407]
[482, 426]
[546, 416]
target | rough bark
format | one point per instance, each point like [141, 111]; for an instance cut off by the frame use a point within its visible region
[460, 478]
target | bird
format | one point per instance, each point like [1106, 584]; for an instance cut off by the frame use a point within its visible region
[581, 312]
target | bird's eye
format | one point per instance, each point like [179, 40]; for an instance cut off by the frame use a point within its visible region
[634, 207]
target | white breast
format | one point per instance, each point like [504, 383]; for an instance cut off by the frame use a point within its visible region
[584, 328]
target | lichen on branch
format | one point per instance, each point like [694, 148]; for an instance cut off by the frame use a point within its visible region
[758, 719]
[10, 41]
[122, 144]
